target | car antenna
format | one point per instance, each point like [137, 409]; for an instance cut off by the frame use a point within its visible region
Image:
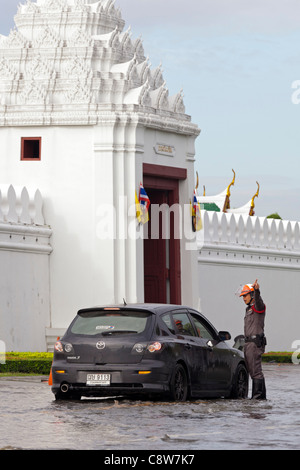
[124, 302]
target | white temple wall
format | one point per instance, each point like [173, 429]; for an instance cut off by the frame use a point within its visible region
[25, 300]
[24, 275]
[66, 178]
[236, 250]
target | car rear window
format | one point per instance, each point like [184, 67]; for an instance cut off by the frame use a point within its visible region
[110, 322]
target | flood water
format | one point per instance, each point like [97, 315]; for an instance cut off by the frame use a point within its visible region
[32, 419]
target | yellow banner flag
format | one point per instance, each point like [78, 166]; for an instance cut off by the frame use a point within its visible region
[138, 210]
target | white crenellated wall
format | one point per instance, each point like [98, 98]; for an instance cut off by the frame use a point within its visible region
[24, 275]
[236, 249]
[245, 230]
[21, 205]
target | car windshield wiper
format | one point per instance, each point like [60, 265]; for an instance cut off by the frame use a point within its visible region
[112, 332]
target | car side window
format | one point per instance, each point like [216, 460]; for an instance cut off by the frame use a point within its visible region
[183, 324]
[203, 330]
[166, 318]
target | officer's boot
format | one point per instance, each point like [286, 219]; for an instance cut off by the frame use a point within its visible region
[259, 389]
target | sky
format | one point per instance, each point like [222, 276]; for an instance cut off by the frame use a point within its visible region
[238, 63]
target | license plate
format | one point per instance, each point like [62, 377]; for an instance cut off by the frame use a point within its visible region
[98, 379]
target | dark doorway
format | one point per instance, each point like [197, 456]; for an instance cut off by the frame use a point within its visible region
[162, 267]
[156, 253]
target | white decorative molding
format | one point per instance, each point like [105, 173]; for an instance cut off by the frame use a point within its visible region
[24, 238]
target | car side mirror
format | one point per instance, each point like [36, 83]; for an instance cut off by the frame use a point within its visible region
[224, 335]
[212, 343]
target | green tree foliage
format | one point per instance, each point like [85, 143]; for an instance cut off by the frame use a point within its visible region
[275, 215]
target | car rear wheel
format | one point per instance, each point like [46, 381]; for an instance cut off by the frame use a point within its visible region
[178, 385]
[240, 385]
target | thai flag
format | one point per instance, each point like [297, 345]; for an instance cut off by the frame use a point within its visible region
[143, 198]
[195, 203]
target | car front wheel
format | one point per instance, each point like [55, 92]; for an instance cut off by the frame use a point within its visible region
[240, 384]
[178, 385]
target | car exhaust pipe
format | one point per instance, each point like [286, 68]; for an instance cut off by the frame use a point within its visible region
[64, 388]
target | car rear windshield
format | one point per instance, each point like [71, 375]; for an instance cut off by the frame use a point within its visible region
[110, 322]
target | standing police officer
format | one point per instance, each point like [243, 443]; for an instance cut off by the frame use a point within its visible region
[255, 340]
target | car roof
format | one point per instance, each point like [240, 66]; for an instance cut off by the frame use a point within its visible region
[156, 308]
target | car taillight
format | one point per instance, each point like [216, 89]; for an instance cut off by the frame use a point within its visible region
[58, 347]
[153, 347]
[61, 347]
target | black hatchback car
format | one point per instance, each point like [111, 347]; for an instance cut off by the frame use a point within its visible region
[152, 350]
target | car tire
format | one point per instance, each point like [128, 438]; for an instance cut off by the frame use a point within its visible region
[179, 384]
[240, 383]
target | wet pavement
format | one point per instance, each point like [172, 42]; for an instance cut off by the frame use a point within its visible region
[32, 419]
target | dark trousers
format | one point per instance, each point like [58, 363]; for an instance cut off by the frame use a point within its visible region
[252, 355]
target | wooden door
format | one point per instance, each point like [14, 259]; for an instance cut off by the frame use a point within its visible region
[156, 254]
[162, 265]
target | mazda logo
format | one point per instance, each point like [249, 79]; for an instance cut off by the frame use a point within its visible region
[100, 345]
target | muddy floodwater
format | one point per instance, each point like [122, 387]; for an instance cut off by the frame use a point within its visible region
[32, 419]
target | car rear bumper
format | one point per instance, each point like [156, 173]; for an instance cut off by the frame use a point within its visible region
[124, 379]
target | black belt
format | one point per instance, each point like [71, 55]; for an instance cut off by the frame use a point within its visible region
[260, 340]
[251, 338]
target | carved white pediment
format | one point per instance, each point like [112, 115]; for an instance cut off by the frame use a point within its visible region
[6, 69]
[144, 70]
[108, 6]
[80, 38]
[79, 93]
[40, 68]
[157, 79]
[177, 104]
[76, 53]
[77, 68]
[159, 98]
[15, 40]
[29, 7]
[32, 93]
[125, 42]
[138, 47]
[80, 5]
[47, 38]
[55, 4]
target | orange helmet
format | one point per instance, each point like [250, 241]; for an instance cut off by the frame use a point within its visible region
[246, 289]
